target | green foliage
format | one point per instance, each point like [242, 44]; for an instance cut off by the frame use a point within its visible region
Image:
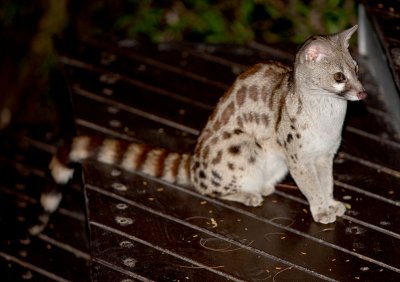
[237, 21]
[219, 21]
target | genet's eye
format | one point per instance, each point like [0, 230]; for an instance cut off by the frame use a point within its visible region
[339, 77]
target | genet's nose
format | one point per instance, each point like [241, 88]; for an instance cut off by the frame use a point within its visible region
[361, 95]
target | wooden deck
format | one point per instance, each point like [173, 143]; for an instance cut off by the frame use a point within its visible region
[143, 229]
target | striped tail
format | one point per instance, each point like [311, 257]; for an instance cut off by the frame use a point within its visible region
[158, 162]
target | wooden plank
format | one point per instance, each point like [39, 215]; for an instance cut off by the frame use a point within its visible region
[15, 269]
[279, 217]
[141, 260]
[34, 253]
[182, 241]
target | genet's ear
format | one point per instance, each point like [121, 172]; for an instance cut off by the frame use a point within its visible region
[315, 51]
[343, 37]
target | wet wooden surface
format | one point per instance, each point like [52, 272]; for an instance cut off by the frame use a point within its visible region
[143, 228]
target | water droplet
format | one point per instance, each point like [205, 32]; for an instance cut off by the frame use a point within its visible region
[119, 187]
[130, 262]
[21, 218]
[346, 197]
[20, 186]
[107, 91]
[109, 78]
[353, 212]
[112, 110]
[23, 253]
[115, 172]
[355, 230]
[122, 206]
[364, 268]
[126, 244]
[124, 221]
[384, 223]
[25, 241]
[107, 58]
[27, 275]
[115, 123]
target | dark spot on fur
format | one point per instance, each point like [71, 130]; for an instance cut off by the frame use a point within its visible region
[241, 95]
[281, 105]
[206, 151]
[215, 183]
[226, 188]
[298, 135]
[239, 121]
[238, 131]
[252, 160]
[265, 120]
[285, 144]
[217, 158]
[227, 113]
[202, 174]
[217, 125]
[226, 135]
[253, 93]
[292, 127]
[258, 145]
[289, 138]
[216, 194]
[202, 185]
[234, 150]
[231, 166]
[216, 175]
[196, 165]
[214, 141]
[279, 143]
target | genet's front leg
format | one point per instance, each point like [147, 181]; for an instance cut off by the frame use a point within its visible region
[324, 166]
[306, 176]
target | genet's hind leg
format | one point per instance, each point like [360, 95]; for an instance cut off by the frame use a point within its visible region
[234, 169]
[275, 170]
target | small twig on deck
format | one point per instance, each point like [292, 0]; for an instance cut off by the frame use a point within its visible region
[279, 272]
[324, 230]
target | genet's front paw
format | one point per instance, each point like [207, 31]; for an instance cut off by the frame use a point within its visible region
[323, 215]
[337, 207]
